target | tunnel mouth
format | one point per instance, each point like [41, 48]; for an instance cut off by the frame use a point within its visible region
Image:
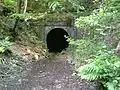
[56, 40]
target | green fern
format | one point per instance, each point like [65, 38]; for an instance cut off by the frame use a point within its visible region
[105, 68]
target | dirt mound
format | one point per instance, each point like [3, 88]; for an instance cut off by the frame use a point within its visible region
[27, 52]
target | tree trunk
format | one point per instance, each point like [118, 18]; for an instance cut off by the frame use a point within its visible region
[1, 7]
[18, 11]
[25, 6]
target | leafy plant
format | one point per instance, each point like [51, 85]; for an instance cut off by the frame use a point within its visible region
[54, 5]
[103, 21]
[11, 63]
[4, 44]
[10, 3]
[105, 68]
[83, 50]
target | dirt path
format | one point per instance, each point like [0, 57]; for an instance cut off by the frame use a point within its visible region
[50, 74]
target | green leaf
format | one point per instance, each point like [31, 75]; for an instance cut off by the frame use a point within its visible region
[1, 61]
[2, 49]
[110, 86]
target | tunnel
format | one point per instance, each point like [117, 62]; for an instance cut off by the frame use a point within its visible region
[56, 40]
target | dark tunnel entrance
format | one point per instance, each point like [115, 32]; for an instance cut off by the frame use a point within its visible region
[56, 41]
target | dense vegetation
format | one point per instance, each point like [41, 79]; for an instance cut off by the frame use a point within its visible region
[93, 52]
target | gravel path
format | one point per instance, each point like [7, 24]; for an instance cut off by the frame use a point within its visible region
[50, 74]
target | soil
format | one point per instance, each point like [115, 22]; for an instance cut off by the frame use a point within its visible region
[28, 53]
[53, 73]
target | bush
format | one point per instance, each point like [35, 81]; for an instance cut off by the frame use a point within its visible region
[103, 23]
[11, 63]
[4, 45]
[83, 50]
[105, 68]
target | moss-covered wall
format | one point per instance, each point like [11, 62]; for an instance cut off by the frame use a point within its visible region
[30, 32]
[36, 31]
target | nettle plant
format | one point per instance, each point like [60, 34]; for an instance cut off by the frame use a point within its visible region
[105, 68]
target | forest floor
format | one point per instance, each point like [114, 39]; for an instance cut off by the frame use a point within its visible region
[52, 73]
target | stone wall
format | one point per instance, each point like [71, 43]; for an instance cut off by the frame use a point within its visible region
[68, 27]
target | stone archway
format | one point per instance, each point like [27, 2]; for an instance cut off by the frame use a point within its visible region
[56, 40]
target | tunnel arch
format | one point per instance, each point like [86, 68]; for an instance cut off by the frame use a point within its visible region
[56, 41]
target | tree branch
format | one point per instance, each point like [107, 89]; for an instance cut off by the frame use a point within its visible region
[25, 6]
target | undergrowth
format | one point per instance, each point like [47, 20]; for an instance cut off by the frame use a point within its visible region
[105, 68]
[102, 27]
[10, 63]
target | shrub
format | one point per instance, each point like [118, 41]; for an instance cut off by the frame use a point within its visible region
[4, 45]
[105, 68]
[11, 63]
[83, 50]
